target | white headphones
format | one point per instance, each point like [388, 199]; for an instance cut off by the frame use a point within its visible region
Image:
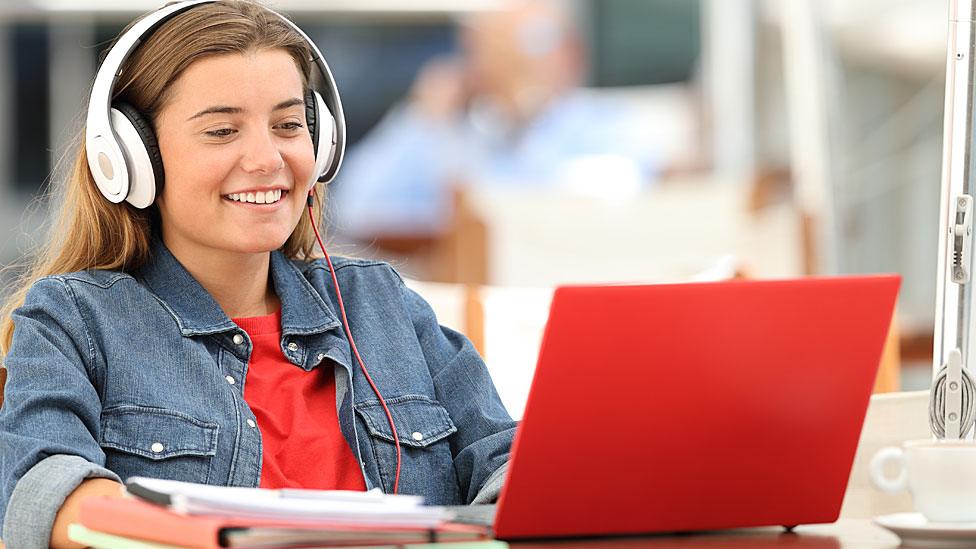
[123, 155]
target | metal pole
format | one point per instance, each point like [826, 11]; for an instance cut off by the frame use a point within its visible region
[954, 295]
[729, 56]
[805, 68]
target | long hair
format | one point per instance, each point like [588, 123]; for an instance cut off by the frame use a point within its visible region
[89, 232]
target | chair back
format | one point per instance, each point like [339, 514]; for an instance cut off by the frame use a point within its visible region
[892, 419]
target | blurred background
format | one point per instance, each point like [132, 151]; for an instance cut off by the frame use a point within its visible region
[499, 148]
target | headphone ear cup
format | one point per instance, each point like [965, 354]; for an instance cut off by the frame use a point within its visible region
[311, 118]
[142, 157]
[324, 139]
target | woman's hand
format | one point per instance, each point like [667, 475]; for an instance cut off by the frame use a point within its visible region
[72, 506]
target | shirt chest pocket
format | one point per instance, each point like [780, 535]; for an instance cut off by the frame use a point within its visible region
[423, 427]
[156, 442]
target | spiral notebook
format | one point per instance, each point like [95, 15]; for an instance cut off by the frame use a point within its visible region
[144, 522]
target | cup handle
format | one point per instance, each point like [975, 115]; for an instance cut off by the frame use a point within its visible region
[878, 463]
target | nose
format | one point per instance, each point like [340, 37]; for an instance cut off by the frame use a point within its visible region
[261, 154]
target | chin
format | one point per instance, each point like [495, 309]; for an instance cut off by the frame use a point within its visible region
[259, 244]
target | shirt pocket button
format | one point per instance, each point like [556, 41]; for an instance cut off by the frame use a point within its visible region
[157, 447]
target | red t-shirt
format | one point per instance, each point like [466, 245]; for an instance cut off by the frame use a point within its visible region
[303, 446]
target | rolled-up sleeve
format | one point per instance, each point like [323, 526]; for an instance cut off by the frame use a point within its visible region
[492, 487]
[49, 422]
[39, 494]
[463, 385]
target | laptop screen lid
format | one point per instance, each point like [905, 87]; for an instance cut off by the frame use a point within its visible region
[695, 406]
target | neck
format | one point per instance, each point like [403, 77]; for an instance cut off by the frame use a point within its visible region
[238, 282]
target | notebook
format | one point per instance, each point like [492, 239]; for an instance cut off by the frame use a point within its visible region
[100, 540]
[665, 408]
[133, 521]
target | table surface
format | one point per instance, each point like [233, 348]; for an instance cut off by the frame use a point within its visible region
[845, 533]
[860, 533]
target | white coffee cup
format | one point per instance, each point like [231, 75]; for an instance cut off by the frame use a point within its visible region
[939, 474]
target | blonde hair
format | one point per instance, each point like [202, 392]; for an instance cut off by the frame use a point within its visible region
[92, 233]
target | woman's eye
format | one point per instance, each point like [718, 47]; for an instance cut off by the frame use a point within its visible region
[222, 132]
[291, 126]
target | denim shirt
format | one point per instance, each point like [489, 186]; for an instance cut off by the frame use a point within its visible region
[113, 375]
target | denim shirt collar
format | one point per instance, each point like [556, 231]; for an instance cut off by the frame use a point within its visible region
[303, 311]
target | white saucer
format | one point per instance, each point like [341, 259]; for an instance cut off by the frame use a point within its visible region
[916, 531]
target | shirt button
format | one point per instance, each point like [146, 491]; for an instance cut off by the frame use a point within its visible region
[157, 447]
[320, 357]
[292, 346]
[251, 424]
[417, 436]
[238, 339]
[230, 380]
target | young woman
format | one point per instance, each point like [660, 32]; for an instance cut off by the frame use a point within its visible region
[201, 338]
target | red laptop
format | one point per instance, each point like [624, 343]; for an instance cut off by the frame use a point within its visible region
[662, 408]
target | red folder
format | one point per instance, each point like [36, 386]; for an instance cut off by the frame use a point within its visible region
[137, 519]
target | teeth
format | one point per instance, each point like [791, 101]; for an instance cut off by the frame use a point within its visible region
[269, 197]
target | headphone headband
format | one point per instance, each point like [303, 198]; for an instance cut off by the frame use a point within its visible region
[332, 101]
[106, 159]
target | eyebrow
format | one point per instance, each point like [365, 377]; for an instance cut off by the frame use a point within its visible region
[221, 109]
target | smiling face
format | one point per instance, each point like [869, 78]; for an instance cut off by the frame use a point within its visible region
[237, 155]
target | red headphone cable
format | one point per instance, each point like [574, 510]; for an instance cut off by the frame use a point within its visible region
[352, 343]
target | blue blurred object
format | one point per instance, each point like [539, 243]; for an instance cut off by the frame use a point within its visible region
[507, 110]
[397, 180]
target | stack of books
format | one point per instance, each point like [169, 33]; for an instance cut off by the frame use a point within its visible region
[163, 514]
